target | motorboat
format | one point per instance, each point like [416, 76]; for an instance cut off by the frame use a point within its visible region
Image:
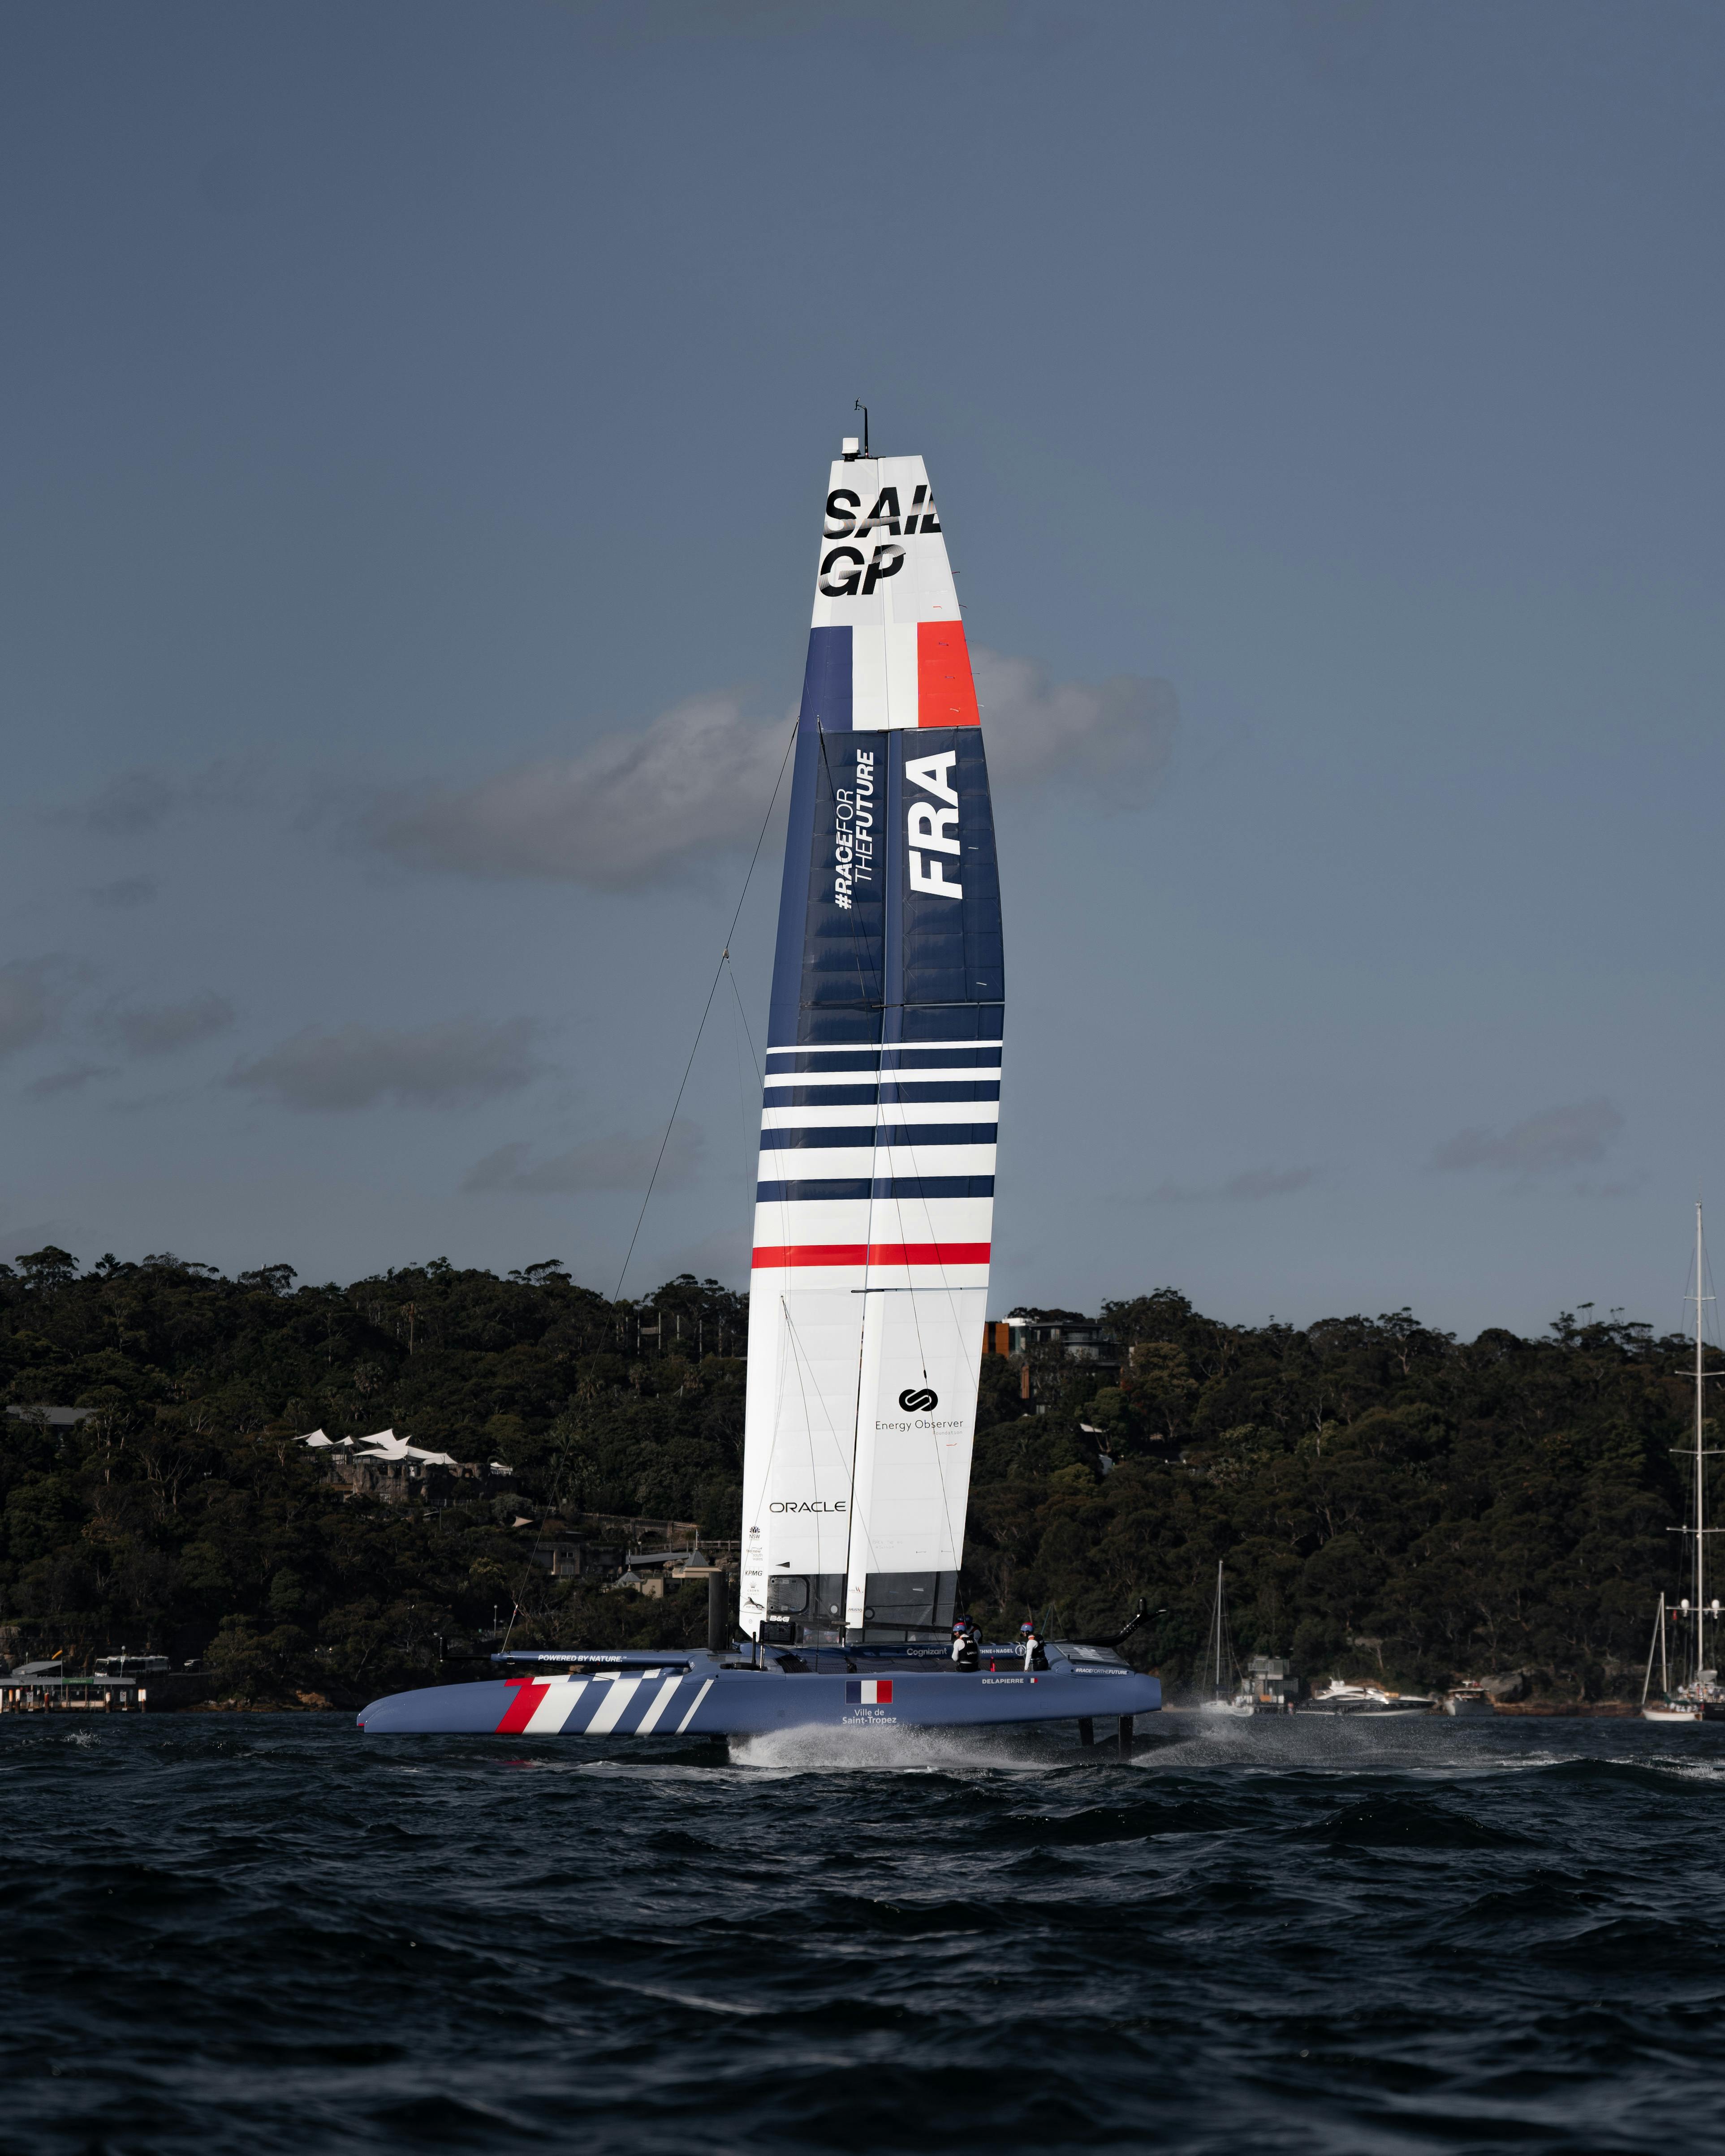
[1339, 1696]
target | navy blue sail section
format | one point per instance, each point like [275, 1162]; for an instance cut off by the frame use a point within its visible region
[881, 939]
[826, 709]
[946, 964]
[826, 681]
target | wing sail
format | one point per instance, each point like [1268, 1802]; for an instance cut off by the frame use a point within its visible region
[874, 1206]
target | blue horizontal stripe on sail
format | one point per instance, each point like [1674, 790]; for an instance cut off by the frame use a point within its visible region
[882, 1186]
[862, 1059]
[943, 1021]
[781, 1061]
[941, 1058]
[870, 1134]
[862, 1096]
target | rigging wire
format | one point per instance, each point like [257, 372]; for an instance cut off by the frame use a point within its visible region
[746, 1034]
[724, 960]
[658, 1158]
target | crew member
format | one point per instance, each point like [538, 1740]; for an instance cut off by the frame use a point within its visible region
[967, 1650]
[1031, 1643]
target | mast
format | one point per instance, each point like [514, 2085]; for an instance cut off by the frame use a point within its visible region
[1655, 1645]
[1665, 1674]
[1217, 1647]
[1700, 1654]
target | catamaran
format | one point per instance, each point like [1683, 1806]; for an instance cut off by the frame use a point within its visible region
[873, 1218]
[1698, 1695]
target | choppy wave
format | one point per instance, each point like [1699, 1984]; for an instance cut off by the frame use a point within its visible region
[275, 1935]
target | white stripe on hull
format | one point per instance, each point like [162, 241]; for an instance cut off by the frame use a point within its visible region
[661, 1699]
[610, 1709]
[694, 1704]
[554, 1710]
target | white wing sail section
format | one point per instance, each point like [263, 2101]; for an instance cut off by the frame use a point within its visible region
[875, 1201]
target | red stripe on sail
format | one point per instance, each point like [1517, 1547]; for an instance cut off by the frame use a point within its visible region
[520, 1710]
[946, 695]
[870, 1254]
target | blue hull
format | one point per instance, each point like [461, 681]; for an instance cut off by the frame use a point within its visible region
[698, 1694]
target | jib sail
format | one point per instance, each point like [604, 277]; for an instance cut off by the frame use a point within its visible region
[875, 1207]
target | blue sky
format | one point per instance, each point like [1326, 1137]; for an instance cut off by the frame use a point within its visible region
[416, 421]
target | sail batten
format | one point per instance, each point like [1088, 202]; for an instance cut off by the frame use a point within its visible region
[881, 1105]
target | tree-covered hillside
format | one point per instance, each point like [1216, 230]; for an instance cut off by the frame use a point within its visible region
[1385, 1496]
[184, 1515]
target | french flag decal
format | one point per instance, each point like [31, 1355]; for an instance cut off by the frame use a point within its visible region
[868, 1691]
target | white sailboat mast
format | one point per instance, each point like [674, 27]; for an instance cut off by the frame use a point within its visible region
[1665, 1674]
[1215, 1645]
[1700, 1484]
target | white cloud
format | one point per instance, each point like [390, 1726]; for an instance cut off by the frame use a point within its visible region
[1113, 739]
[627, 811]
[160, 1029]
[635, 808]
[1554, 1138]
[453, 1065]
[617, 1163]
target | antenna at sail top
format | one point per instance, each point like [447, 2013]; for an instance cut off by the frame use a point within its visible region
[860, 406]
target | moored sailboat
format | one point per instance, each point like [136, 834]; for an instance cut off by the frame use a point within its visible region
[1221, 1670]
[873, 1213]
[1698, 1695]
[1265, 1686]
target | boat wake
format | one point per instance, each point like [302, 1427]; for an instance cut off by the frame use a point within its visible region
[898, 1749]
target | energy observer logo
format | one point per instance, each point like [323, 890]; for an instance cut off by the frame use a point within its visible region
[921, 1400]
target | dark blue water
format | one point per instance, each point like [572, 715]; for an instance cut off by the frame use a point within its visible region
[258, 1933]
